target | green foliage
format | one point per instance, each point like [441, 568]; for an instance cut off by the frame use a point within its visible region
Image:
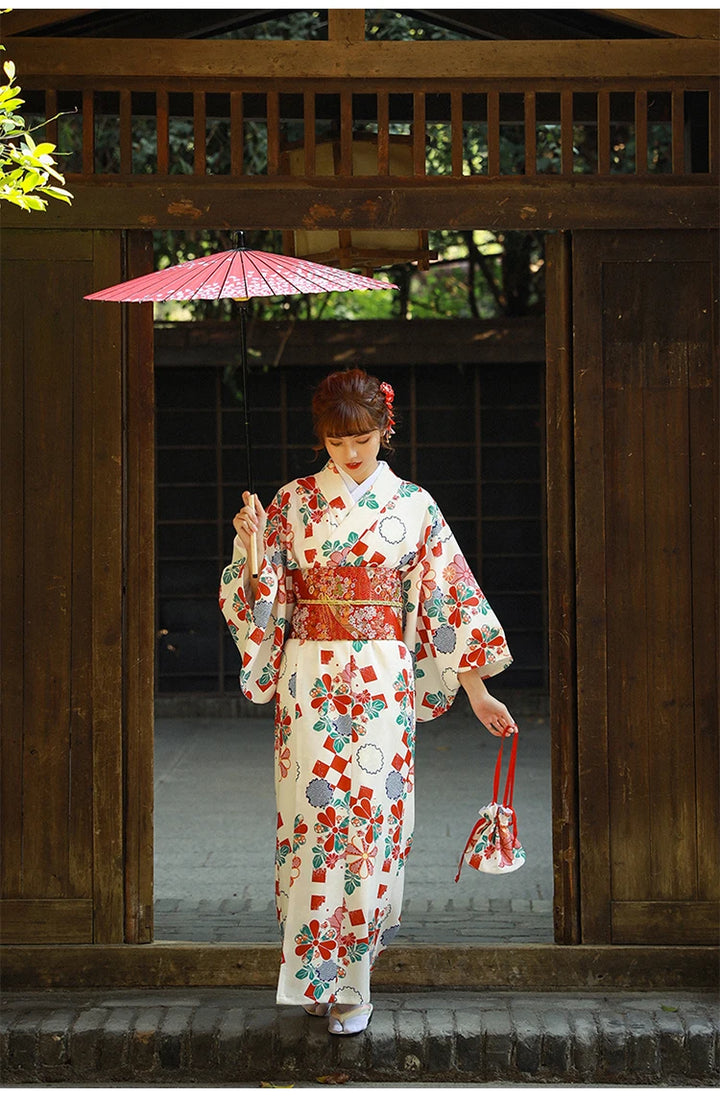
[26, 168]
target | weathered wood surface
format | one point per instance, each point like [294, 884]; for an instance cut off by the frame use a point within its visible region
[405, 62]
[62, 611]
[512, 967]
[647, 685]
[52, 921]
[684, 22]
[634, 923]
[545, 203]
[320, 343]
[140, 596]
[560, 540]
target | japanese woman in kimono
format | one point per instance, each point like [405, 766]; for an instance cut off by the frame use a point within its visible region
[363, 619]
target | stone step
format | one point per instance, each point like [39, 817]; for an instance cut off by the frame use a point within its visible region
[239, 1036]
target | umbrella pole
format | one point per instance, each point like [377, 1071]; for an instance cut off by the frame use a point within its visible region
[246, 412]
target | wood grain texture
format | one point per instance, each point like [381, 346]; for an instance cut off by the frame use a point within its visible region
[51, 921]
[107, 601]
[139, 644]
[289, 61]
[591, 599]
[511, 967]
[674, 923]
[13, 304]
[543, 203]
[560, 537]
[47, 571]
[656, 485]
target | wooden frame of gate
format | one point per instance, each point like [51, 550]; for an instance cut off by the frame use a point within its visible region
[116, 210]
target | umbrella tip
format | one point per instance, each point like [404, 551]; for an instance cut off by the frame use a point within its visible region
[238, 239]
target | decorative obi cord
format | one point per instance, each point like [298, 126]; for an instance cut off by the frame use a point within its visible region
[347, 603]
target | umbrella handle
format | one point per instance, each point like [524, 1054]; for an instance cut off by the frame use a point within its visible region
[253, 545]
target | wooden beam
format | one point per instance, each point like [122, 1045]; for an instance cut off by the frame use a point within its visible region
[105, 61]
[328, 343]
[346, 24]
[509, 967]
[545, 202]
[18, 22]
[682, 22]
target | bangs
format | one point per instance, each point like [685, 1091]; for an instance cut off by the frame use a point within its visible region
[347, 419]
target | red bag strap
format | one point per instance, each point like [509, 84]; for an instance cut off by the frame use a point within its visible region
[510, 780]
[507, 798]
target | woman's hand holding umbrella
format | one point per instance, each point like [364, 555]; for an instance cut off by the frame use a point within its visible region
[249, 523]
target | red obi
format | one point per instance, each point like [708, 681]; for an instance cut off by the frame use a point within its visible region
[349, 603]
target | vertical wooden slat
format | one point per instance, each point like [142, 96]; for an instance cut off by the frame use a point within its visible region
[237, 134]
[704, 433]
[126, 131]
[273, 132]
[714, 129]
[629, 730]
[456, 132]
[107, 600]
[51, 109]
[140, 586]
[81, 718]
[14, 303]
[47, 565]
[566, 132]
[641, 132]
[678, 131]
[383, 113]
[88, 132]
[163, 131]
[530, 134]
[493, 131]
[603, 131]
[418, 133]
[673, 865]
[309, 132]
[199, 133]
[346, 133]
[591, 605]
[346, 24]
[561, 585]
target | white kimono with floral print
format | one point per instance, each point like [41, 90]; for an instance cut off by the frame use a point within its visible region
[345, 713]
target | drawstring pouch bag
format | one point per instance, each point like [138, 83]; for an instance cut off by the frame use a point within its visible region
[493, 845]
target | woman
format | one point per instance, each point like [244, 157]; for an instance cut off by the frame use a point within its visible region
[364, 618]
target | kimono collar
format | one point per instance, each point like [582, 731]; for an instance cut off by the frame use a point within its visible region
[342, 509]
[358, 490]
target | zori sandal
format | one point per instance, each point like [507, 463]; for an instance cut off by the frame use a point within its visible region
[349, 1021]
[319, 1009]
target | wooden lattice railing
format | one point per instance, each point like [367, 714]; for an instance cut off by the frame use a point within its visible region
[497, 128]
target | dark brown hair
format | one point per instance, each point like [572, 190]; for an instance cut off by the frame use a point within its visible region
[349, 402]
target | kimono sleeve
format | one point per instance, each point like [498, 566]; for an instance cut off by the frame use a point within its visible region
[449, 624]
[260, 629]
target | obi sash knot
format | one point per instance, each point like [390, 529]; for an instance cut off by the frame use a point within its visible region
[347, 603]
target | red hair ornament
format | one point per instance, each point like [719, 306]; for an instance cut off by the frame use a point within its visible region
[389, 395]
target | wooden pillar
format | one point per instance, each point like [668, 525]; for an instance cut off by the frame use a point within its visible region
[346, 24]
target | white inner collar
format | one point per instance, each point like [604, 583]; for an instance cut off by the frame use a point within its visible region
[358, 490]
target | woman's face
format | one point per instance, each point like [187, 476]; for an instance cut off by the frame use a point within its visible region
[355, 454]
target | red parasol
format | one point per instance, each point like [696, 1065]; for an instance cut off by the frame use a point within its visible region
[240, 274]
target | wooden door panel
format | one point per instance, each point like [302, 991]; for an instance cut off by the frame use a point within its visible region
[646, 436]
[62, 611]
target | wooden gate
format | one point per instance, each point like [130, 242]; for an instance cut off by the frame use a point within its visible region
[77, 565]
[646, 513]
